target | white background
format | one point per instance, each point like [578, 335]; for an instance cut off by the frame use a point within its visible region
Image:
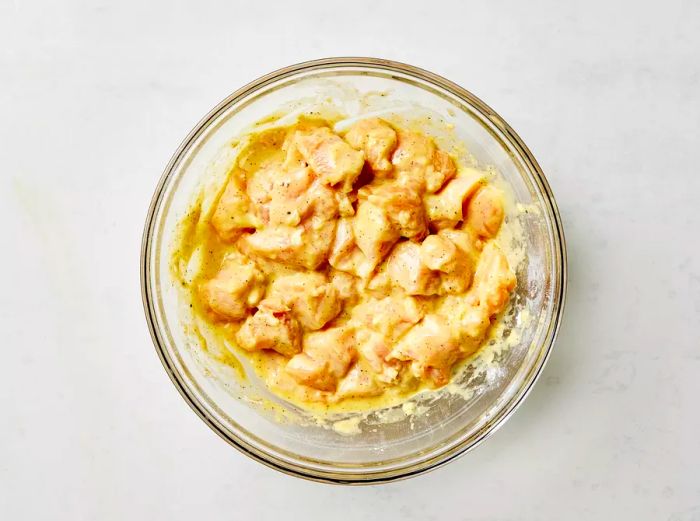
[94, 98]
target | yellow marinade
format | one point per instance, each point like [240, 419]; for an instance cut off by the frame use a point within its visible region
[352, 269]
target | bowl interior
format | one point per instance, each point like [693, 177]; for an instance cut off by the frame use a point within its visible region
[390, 444]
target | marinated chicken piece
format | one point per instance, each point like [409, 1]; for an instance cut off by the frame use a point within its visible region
[345, 284]
[377, 139]
[390, 316]
[335, 162]
[378, 323]
[493, 280]
[236, 288]
[374, 348]
[287, 204]
[445, 209]
[414, 151]
[485, 211]
[358, 383]
[417, 156]
[402, 202]
[271, 328]
[373, 231]
[442, 170]
[311, 298]
[439, 253]
[430, 347]
[326, 358]
[304, 246]
[405, 269]
[231, 216]
[345, 255]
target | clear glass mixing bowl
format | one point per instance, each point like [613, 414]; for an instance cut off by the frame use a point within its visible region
[454, 424]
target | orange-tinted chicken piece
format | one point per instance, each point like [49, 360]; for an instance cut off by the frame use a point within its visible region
[485, 211]
[405, 269]
[379, 322]
[358, 383]
[238, 286]
[377, 139]
[326, 357]
[402, 203]
[373, 231]
[304, 246]
[493, 280]
[231, 216]
[417, 156]
[312, 299]
[271, 328]
[431, 349]
[345, 255]
[446, 208]
[333, 160]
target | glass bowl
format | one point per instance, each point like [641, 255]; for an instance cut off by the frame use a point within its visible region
[408, 445]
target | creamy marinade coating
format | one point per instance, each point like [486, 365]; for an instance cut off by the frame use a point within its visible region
[351, 267]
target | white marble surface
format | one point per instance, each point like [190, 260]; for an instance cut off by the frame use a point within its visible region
[95, 96]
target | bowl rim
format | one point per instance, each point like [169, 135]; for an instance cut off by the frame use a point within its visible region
[442, 457]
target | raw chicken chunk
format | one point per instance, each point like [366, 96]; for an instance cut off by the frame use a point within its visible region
[335, 162]
[405, 269]
[431, 349]
[402, 202]
[231, 216]
[311, 298]
[304, 246]
[271, 328]
[485, 211]
[373, 231]
[493, 280]
[377, 139]
[445, 209]
[326, 358]
[358, 383]
[417, 156]
[345, 255]
[236, 288]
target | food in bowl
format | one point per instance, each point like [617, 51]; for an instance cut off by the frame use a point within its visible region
[350, 263]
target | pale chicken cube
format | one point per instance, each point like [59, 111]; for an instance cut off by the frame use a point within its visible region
[373, 231]
[417, 155]
[232, 214]
[305, 246]
[311, 298]
[440, 171]
[345, 255]
[359, 383]
[270, 329]
[373, 348]
[405, 269]
[402, 202]
[493, 280]
[335, 162]
[287, 190]
[377, 139]
[431, 349]
[390, 316]
[326, 358]
[414, 151]
[446, 208]
[439, 253]
[238, 286]
[485, 211]
[455, 265]
[345, 284]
